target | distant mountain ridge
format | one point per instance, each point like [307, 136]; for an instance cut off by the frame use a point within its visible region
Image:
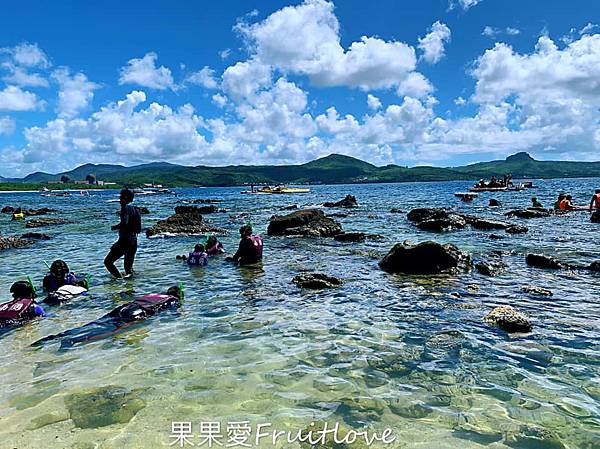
[332, 169]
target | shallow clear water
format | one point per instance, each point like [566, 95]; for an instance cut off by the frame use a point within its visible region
[383, 350]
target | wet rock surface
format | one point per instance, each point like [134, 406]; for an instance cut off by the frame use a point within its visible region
[442, 224]
[424, 258]
[529, 213]
[308, 222]
[538, 291]
[41, 222]
[187, 220]
[290, 207]
[200, 201]
[104, 406]
[182, 210]
[491, 268]
[35, 236]
[348, 202]
[543, 261]
[508, 319]
[350, 237]
[494, 203]
[517, 229]
[13, 242]
[316, 281]
[27, 212]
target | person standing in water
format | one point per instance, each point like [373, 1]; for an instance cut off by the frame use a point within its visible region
[126, 246]
[250, 249]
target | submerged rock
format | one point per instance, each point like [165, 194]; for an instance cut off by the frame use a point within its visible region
[490, 268]
[395, 210]
[187, 220]
[350, 237]
[496, 237]
[182, 210]
[40, 222]
[424, 258]
[543, 261]
[27, 212]
[516, 229]
[308, 222]
[290, 207]
[595, 266]
[35, 236]
[533, 290]
[486, 225]
[316, 281]
[529, 213]
[442, 224]
[494, 202]
[103, 406]
[13, 242]
[349, 201]
[508, 319]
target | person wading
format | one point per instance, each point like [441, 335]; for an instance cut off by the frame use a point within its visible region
[126, 246]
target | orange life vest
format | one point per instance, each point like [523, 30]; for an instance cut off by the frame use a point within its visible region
[596, 201]
[564, 204]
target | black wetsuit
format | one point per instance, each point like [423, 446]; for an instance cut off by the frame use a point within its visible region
[126, 246]
[115, 321]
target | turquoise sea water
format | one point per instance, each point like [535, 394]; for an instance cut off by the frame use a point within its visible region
[408, 353]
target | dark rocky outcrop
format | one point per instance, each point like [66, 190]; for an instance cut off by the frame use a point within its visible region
[493, 268]
[316, 281]
[508, 319]
[35, 236]
[424, 258]
[516, 229]
[350, 237]
[543, 261]
[486, 225]
[496, 237]
[41, 222]
[348, 202]
[187, 220]
[494, 202]
[13, 242]
[529, 213]
[426, 213]
[595, 266]
[538, 291]
[442, 224]
[27, 212]
[308, 222]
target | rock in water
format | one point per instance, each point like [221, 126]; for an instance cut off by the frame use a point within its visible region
[529, 213]
[187, 220]
[508, 319]
[8, 210]
[290, 207]
[533, 290]
[426, 213]
[308, 222]
[348, 202]
[424, 258]
[35, 236]
[542, 261]
[442, 224]
[350, 237]
[182, 210]
[103, 406]
[40, 222]
[516, 229]
[26, 212]
[494, 202]
[486, 225]
[13, 242]
[595, 266]
[316, 281]
[490, 268]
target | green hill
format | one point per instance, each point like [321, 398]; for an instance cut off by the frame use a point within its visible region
[333, 169]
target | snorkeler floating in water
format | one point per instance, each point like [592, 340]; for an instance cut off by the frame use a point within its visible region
[60, 275]
[118, 319]
[250, 249]
[22, 308]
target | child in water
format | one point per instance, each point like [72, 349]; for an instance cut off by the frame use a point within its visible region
[213, 246]
[198, 257]
[60, 275]
[22, 308]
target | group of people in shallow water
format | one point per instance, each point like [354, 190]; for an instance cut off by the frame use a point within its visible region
[61, 285]
[565, 202]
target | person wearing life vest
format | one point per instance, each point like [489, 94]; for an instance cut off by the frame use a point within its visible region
[595, 201]
[213, 246]
[250, 249]
[198, 257]
[22, 308]
[60, 275]
[536, 204]
[566, 203]
[118, 319]
[126, 246]
[561, 196]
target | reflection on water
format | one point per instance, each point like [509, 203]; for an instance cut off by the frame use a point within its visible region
[409, 353]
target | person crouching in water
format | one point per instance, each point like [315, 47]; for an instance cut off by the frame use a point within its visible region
[118, 319]
[250, 249]
[213, 246]
[60, 275]
[129, 227]
[22, 308]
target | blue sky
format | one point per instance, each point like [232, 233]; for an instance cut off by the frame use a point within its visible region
[429, 82]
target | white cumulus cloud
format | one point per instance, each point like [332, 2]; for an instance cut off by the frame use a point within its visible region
[204, 77]
[145, 73]
[75, 94]
[7, 126]
[13, 98]
[432, 45]
[373, 102]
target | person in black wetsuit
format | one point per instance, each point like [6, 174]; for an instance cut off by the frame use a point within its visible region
[118, 319]
[129, 227]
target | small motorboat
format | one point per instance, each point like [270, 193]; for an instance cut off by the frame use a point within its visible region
[268, 190]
